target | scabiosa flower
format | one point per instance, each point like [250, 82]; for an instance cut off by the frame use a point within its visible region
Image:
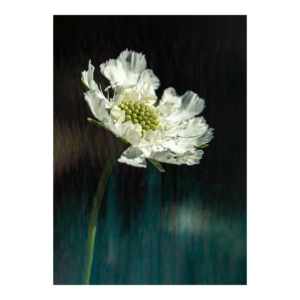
[167, 132]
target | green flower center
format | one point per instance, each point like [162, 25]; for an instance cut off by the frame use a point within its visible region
[140, 113]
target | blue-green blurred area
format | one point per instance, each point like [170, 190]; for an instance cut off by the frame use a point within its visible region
[154, 241]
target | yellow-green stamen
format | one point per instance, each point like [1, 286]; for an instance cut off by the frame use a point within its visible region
[140, 113]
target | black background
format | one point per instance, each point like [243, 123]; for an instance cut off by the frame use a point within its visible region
[203, 54]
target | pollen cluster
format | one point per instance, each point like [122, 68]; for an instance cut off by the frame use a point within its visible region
[140, 113]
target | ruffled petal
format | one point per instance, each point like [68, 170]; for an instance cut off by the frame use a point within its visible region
[166, 123]
[157, 148]
[117, 99]
[160, 133]
[147, 91]
[146, 146]
[133, 64]
[135, 127]
[148, 76]
[149, 100]
[150, 136]
[130, 132]
[147, 94]
[123, 88]
[146, 150]
[164, 110]
[168, 96]
[88, 78]
[189, 158]
[185, 106]
[96, 102]
[133, 156]
[117, 114]
[178, 145]
[165, 156]
[205, 138]
[183, 144]
[191, 128]
[131, 95]
[113, 71]
[150, 141]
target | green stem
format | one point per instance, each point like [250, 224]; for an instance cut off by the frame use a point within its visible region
[95, 211]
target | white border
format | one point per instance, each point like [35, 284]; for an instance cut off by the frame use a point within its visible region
[246, 151]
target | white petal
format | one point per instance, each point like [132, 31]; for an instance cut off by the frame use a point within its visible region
[146, 150]
[165, 156]
[147, 147]
[148, 76]
[191, 128]
[147, 94]
[182, 144]
[168, 96]
[147, 91]
[133, 156]
[88, 77]
[189, 158]
[164, 110]
[160, 133]
[130, 132]
[133, 64]
[131, 95]
[123, 88]
[149, 102]
[166, 123]
[118, 115]
[157, 148]
[178, 146]
[113, 71]
[96, 102]
[185, 106]
[150, 136]
[150, 140]
[149, 97]
[135, 127]
[205, 138]
[117, 99]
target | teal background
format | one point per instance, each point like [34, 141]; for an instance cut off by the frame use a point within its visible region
[184, 226]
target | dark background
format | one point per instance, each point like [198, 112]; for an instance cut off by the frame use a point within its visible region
[184, 226]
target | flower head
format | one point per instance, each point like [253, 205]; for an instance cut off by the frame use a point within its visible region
[167, 132]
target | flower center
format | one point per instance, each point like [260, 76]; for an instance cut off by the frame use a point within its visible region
[140, 113]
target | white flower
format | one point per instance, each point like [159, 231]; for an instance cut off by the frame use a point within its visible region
[168, 132]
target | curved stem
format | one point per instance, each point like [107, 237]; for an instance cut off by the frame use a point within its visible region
[95, 211]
